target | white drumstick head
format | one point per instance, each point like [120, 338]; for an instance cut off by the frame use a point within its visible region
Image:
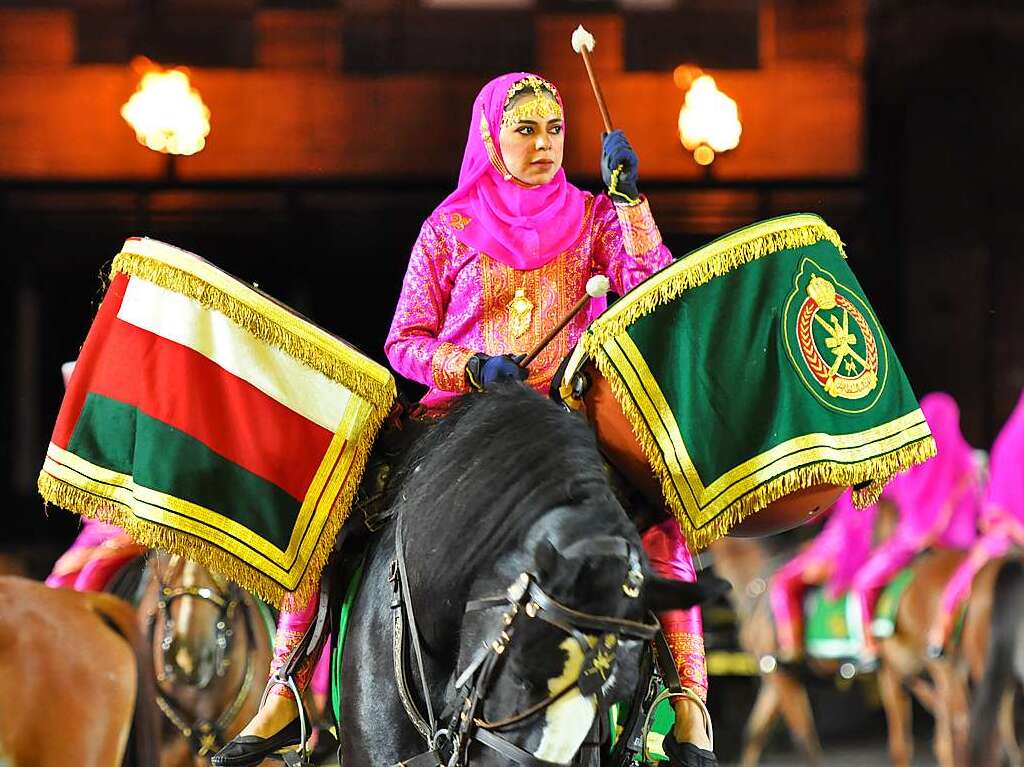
[598, 286]
[581, 39]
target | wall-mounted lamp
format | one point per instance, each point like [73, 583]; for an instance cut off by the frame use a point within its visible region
[166, 112]
[709, 121]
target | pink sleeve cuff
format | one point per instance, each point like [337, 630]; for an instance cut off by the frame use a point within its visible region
[640, 234]
[448, 367]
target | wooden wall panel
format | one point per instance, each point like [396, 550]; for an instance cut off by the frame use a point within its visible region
[36, 38]
[798, 122]
[67, 124]
[298, 39]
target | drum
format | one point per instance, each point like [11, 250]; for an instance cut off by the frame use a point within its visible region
[747, 385]
[622, 449]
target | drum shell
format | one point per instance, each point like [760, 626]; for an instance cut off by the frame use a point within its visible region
[619, 445]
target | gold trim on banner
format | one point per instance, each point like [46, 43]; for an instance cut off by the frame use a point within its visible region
[158, 520]
[707, 513]
[702, 265]
[185, 273]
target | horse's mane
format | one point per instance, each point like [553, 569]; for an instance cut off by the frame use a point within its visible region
[474, 484]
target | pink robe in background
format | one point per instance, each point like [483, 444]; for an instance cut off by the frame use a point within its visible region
[938, 504]
[1002, 521]
[99, 551]
[832, 558]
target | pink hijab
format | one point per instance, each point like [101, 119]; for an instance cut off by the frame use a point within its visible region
[922, 493]
[522, 227]
[1006, 465]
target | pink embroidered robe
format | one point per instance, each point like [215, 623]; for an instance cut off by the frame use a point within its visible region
[457, 301]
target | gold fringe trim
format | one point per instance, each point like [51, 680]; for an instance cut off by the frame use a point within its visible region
[228, 565]
[699, 268]
[879, 470]
[380, 396]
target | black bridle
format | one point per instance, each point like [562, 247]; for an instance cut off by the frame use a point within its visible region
[524, 600]
[204, 736]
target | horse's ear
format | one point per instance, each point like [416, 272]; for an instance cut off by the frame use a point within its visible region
[669, 594]
[546, 559]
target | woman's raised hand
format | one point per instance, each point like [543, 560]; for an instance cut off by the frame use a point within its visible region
[619, 166]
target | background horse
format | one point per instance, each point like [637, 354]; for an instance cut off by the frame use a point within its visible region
[209, 650]
[84, 650]
[1003, 673]
[903, 661]
[507, 484]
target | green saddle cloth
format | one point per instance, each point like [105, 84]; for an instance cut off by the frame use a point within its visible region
[662, 722]
[833, 625]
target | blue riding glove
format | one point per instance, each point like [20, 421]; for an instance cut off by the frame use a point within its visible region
[616, 153]
[482, 370]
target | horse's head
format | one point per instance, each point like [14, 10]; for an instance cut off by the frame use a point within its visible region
[574, 632]
[194, 621]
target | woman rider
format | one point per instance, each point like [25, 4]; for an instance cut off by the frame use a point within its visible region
[832, 558]
[938, 504]
[1001, 523]
[494, 267]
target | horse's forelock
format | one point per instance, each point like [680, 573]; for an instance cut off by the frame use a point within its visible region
[489, 471]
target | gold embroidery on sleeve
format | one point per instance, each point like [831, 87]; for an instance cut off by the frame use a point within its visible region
[640, 234]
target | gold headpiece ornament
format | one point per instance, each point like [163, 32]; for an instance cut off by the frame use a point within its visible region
[543, 106]
[822, 291]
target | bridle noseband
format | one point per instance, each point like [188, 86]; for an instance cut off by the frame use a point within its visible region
[204, 736]
[524, 600]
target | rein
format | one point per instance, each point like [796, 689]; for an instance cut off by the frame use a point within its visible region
[525, 599]
[204, 736]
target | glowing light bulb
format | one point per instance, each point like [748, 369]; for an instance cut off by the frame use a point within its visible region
[167, 113]
[709, 121]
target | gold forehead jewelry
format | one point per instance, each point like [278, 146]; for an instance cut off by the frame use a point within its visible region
[537, 109]
[543, 106]
[537, 84]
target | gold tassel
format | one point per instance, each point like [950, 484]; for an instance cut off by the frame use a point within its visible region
[699, 268]
[379, 394]
[156, 536]
[878, 470]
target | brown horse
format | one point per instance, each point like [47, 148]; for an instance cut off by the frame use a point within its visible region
[1003, 672]
[210, 652]
[75, 678]
[903, 660]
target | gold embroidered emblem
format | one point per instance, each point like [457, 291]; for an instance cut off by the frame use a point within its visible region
[836, 339]
[458, 221]
[520, 313]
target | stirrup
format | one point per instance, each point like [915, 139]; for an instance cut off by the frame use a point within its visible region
[300, 757]
[709, 728]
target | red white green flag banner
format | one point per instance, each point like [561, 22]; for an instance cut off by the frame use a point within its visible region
[209, 420]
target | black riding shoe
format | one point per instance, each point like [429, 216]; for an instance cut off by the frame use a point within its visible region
[251, 750]
[687, 754]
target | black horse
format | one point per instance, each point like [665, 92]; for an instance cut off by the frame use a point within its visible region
[511, 560]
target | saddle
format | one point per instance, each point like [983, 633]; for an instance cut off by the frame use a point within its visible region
[833, 630]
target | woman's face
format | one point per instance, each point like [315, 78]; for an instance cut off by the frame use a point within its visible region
[531, 145]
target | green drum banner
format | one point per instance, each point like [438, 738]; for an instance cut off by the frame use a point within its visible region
[207, 419]
[755, 367]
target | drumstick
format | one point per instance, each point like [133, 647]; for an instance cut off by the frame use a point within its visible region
[583, 43]
[597, 286]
